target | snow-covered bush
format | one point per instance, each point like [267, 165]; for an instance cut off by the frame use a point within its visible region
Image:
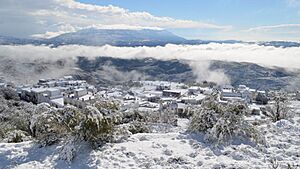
[166, 116]
[222, 123]
[107, 106]
[279, 108]
[47, 129]
[261, 99]
[9, 94]
[130, 116]
[138, 127]
[16, 117]
[206, 117]
[95, 128]
[86, 125]
[16, 136]
[68, 151]
[203, 120]
[186, 113]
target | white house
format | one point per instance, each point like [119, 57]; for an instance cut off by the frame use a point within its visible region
[2, 85]
[193, 89]
[42, 95]
[163, 86]
[298, 95]
[171, 93]
[228, 93]
[80, 92]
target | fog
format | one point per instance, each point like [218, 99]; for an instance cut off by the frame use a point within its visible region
[198, 56]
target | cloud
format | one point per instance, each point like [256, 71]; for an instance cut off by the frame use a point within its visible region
[203, 73]
[272, 27]
[35, 17]
[198, 56]
[293, 3]
[280, 32]
[112, 74]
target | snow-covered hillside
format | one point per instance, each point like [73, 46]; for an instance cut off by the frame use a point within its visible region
[174, 149]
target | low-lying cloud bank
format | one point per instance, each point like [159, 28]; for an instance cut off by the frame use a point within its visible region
[64, 57]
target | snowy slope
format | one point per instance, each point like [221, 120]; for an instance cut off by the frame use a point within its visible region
[117, 37]
[176, 149]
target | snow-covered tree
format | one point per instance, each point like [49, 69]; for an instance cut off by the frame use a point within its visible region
[9, 93]
[279, 108]
[221, 123]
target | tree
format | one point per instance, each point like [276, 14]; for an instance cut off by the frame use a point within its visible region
[220, 123]
[261, 99]
[9, 94]
[279, 108]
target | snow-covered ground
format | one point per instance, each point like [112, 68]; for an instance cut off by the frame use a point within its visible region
[175, 149]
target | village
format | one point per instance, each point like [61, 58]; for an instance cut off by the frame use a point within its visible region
[139, 95]
[152, 117]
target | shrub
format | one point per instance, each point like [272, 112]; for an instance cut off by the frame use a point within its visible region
[88, 125]
[68, 151]
[261, 99]
[138, 127]
[166, 116]
[221, 123]
[47, 129]
[279, 109]
[16, 136]
[9, 94]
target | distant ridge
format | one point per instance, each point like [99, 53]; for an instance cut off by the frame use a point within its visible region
[127, 37]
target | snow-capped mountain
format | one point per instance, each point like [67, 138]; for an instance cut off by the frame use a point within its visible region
[127, 37]
[117, 37]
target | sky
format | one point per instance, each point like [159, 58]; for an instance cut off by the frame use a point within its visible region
[248, 20]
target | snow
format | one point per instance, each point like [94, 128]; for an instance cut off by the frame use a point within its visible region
[175, 149]
[59, 101]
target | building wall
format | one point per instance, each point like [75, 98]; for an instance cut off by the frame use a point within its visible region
[171, 94]
[298, 96]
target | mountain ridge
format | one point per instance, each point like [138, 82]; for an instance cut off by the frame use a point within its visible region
[126, 38]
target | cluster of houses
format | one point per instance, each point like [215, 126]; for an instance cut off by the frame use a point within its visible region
[59, 92]
[242, 93]
[143, 96]
[158, 95]
[146, 96]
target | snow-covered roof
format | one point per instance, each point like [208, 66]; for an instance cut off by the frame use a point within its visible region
[227, 90]
[87, 97]
[181, 105]
[52, 89]
[227, 87]
[195, 97]
[39, 90]
[59, 101]
[79, 90]
[194, 88]
[261, 91]
[176, 91]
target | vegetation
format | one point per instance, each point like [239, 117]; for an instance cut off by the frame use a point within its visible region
[279, 108]
[96, 125]
[221, 123]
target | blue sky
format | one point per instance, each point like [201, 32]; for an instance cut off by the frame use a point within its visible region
[249, 20]
[241, 14]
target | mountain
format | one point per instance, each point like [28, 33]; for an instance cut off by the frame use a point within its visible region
[106, 71]
[283, 44]
[101, 70]
[8, 40]
[255, 76]
[117, 37]
[125, 37]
